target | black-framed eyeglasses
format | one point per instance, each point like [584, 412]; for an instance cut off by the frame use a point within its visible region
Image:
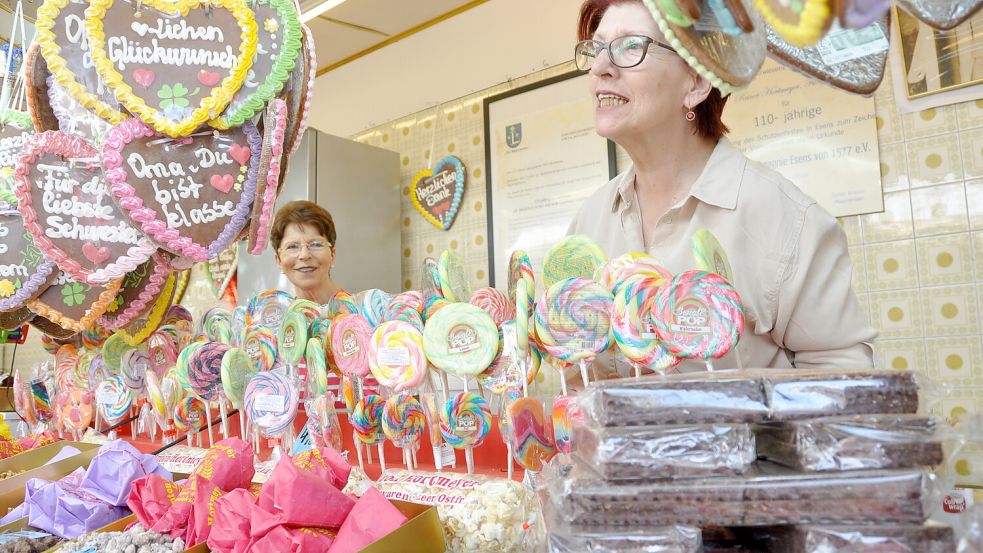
[624, 51]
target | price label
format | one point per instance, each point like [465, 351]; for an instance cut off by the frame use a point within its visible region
[270, 403]
[394, 357]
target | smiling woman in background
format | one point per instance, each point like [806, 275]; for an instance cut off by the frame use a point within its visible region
[303, 238]
[789, 255]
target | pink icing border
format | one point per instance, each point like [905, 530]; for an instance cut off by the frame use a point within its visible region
[132, 129]
[272, 176]
[147, 297]
[68, 145]
[311, 77]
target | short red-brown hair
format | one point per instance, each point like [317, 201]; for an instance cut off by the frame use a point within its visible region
[709, 123]
[302, 212]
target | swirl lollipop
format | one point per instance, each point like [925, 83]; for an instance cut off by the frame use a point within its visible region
[271, 402]
[205, 370]
[699, 315]
[112, 351]
[237, 369]
[181, 368]
[634, 331]
[133, 368]
[309, 309]
[292, 339]
[520, 268]
[260, 345]
[114, 399]
[317, 367]
[573, 322]
[410, 299]
[373, 305]
[64, 372]
[574, 256]
[163, 352]
[178, 313]
[523, 304]
[495, 303]
[630, 266]
[432, 306]
[366, 419]
[342, 303]
[351, 336]
[453, 278]
[403, 422]
[156, 399]
[216, 325]
[189, 415]
[461, 339]
[464, 422]
[710, 255]
[268, 308]
[565, 413]
[97, 371]
[81, 375]
[396, 356]
[240, 320]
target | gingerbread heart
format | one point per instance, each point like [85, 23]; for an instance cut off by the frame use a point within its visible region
[191, 196]
[274, 127]
[849, 59]
[68, 209]
[146, 324]
[24, 271]
[221, 269]
[10, 320]
[36, 86]
[74, 305]
[437, 194]
[298, 93]
[277, 48]
[941, 14]
[178, 64]
[72, 116]
[16, 128]
[138, 292]
[64, 43]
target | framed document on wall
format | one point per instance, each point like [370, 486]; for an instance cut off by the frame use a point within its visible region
[543, 160]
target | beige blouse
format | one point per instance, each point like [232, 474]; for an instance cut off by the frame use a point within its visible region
[788, 254]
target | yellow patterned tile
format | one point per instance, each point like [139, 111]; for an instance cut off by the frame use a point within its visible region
[894, 223]
[896, 314]
[889, 130]
[929, 122]
[859, 268]
[978, 254]
[974, 200]
[894, 167]
[934, 160]
[901, 354]
[851, 227]
[965, 466]
[971, 146]
[950, 310]
[957, 359]
[945, 259]
[939, 209]
[957, 407]
[970, 114]
[864, 301]
[891, 265]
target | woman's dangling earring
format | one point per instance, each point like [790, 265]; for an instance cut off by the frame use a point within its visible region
[690, 116]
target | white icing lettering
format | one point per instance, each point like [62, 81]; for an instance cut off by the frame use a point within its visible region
[122, 51]
[178, 31]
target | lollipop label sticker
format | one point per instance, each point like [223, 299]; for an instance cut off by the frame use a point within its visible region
[394, 357]
[289, 338]
[691, 317]
[349, 344]
[462, 338]
[466, 423]
[253, 349]
[648, 327]
[270, 403]
[272, 316]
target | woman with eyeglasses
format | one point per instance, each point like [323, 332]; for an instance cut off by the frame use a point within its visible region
[789, 256]
[303, 237]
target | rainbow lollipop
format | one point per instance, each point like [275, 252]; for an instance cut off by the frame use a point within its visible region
[309, 309]
[114, 399]
[520, 268]
[292, 339]
[366, 419]
[189, 415]
[464, 422]
[630, 266]
[431, 279]
[495, 303]
[181, 368]
[237, 369]
[317, 367]
[633, 327]
[260, 345]
[453, 279]
[575, 256]
[373, 305]
[403, 422]
[710, 255]
[573, 322]
[342, 303]
[530, 434]
[268, 308]
[396, 356]
[112, 351]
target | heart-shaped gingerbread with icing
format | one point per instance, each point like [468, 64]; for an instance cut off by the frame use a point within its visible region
[10, 320]
[16, 128]
[36, 86]
[64, 44]
[74, 305]
[193, 195]
[138, 292]
[24, 271]
[298, 93]
[221, 269]
[436, 193]
[277, 47]
[143, 326]
[178, 64]
[274, 127]
[65, 201]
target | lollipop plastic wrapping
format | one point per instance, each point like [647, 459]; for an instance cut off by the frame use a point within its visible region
[322, 421]
[317, 367]
[292, 338]
[453, 278]
[574, 256]
[366, 418]
[271, 401]
[396, 356]
[114, 398]
[699, 315]
[531, 433]
[461, 339]
[351, 337]
[465, 420]
[260, 345]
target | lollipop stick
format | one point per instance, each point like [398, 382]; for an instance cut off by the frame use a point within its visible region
[358, 451]
[436, 458]
[242, 425]
[469, 456]
[382, 458]
[208, 418]
[225, 420]
[509, 460]
[563, 380]
[465, 379]
[583, 373]
[524, 378]
[443, 387]
[407, 460]
[416, 464]
[368, 454]
[638, 370]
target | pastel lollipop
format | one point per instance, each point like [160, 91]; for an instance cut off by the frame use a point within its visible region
[699, 315]
[565, 414]
[133, 368]
[403, 421]
[321, 329]
[76, 412]
[268, 308]
[240, 321]
[495, 377]
[461, 339]
[163, 351]
[309, 309]
[412, 299]
[205, 370]
[97, 371]
[216, 326]
[632, 265]
[464, 422]
[81, 375]
[574, 256]
[366, 419]
[396, 356]
[633, 326]
[113, 398]
[292, 338]
[322, 422]
[431, 279]
[523, 304]
[177, 313]
[182, 367]
[432, 408]
[271, 402]
[495, 303]
[573, 321]
[351, 338]
[432, 306]
[520, 268]
[342, 303]
[532, 440]
[94, 335]
[112, 351]
[453, 278]
[260, 345]
[373, 305]
[317, 366]
[156, 397]
[237, 369]
[189, 414]
[65, 372]
[710, 255]
[171, 390]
